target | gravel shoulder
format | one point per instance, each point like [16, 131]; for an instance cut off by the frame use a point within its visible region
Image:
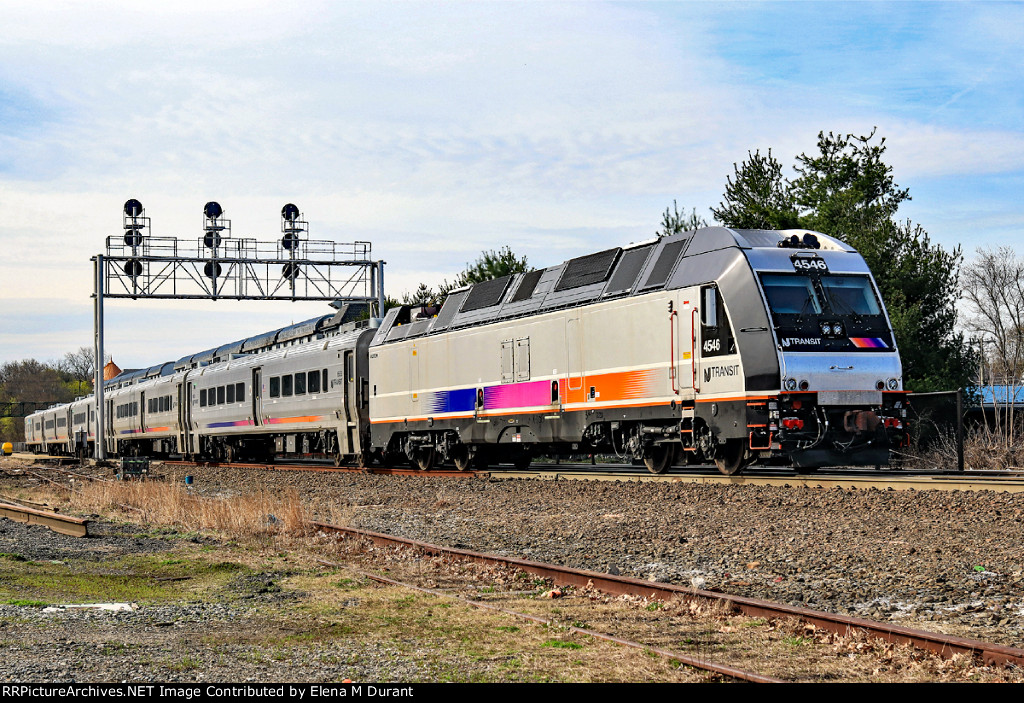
[947, 562]
[943, 561]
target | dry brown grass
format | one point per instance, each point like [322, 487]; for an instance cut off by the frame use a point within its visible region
[261, 514]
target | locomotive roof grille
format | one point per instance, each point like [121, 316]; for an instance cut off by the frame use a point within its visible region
[628, 271]
[586, 270]
[665, 263]
[486, 294]
[450, 309]
[527, 285]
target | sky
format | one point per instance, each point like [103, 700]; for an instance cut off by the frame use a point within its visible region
[440, 130]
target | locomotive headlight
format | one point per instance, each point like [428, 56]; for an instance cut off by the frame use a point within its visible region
[790, 384]
[826, 329]
[894, 383]
[838, 329]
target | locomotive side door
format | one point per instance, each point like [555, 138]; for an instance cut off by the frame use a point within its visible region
[713, 338]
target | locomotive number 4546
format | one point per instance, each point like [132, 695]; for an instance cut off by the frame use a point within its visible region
[803, 263]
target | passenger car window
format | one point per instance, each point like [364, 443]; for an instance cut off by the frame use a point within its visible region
[275, 387]
[314, 381]
[300, 383]
[286, 385]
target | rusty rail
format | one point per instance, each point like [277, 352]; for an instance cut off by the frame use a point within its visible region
[73, 526]
[943, 645]
[693, 662]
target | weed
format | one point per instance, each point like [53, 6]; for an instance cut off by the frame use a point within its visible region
[27, 603]
[561, 644]
[507, 628]
[187, 663]
[12, 557]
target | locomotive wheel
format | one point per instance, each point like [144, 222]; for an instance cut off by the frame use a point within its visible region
[658, 457]
[731, 457]
[461, 457]
[425, 458]
[522, 461]
[364, 459]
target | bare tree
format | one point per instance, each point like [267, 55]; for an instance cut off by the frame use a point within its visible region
[80, 366]
[993, 286]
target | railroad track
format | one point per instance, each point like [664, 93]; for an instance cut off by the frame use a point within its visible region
[941, 644]
[1005, 481]
[855, 479]
[693, 662]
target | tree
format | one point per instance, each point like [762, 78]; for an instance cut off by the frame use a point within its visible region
[759, 197]
[848, 191]
[994, 291]
[423, 295]
[673, 221]
[488, 266]
[30, 380]
[80, 366]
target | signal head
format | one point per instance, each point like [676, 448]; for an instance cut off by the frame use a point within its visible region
[290, 213]
[213, 210]
[132, 208]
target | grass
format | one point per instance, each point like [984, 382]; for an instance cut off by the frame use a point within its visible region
[138, 578]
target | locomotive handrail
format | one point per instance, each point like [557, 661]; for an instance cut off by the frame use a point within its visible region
[672, 350]
[693, 348]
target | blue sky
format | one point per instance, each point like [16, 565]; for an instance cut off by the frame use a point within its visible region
[438, 130]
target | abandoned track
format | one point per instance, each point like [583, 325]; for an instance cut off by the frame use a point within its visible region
[943, 645]
[65, 524]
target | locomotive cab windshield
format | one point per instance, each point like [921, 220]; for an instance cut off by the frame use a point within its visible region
[826, 312]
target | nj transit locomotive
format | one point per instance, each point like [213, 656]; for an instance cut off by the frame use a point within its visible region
[716, 345]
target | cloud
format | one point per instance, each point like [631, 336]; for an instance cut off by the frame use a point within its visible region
[438, 130]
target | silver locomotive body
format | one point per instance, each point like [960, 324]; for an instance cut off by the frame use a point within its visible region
[681, 349]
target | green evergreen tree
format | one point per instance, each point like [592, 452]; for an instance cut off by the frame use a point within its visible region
[759, 197]
[847, 190]
[673, 221]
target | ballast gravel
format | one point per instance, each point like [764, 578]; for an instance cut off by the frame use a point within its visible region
[947, 561]
[944, 561]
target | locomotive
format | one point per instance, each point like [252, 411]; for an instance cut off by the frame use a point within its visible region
[715, 345]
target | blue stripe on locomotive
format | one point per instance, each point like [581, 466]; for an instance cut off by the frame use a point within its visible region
[459, 400]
